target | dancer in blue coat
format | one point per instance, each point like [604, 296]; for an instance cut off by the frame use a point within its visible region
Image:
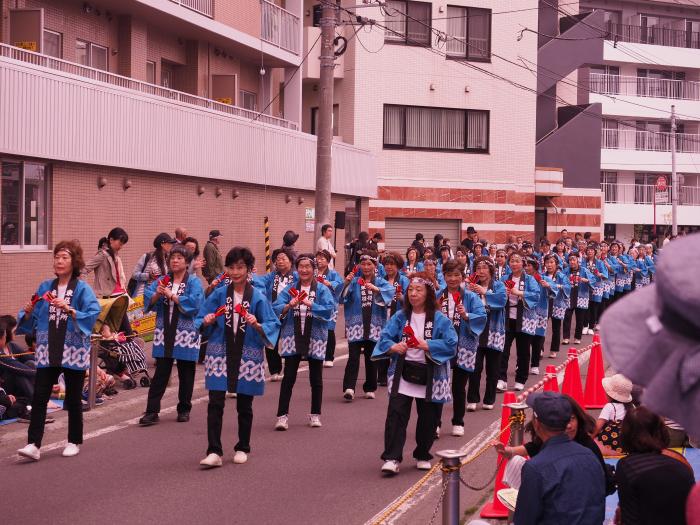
[420, 341]
[392, 262]
[413, 263]
[581, 281]
[334, 282]
[559, 303]
[597, 267]
[548, 290]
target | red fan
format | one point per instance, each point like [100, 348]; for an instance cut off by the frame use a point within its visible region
[573, 279]
[356, 268]
[321, 279]
[240, 310]
[48, 297]
[473, 279]
[221, 276]
[221, 310]
[399, 289]
[303, 295]
[35, 299]
[537, 277]
[164, 281]
[510, 284]
[411, 340]
[293, 292]
[361, 282]
[457, 298]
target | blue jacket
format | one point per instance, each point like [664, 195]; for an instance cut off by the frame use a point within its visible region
[352, 299]
[469, 330]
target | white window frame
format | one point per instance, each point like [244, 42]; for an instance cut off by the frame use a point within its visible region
[89, 46]
[60, 42]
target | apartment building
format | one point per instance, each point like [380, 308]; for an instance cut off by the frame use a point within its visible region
[153, 114]
[429, 89]
[651, 61]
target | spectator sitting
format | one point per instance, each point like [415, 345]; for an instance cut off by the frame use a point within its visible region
[608, 427]
[564, 482]
[653, 483]
[17, 377]
[12, 407]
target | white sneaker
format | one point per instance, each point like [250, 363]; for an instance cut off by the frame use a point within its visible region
[328, 364]
[437, 432]
[487, 407]
[457, 430]
[282, 423]
[349, 394]
[369, 395]
[71, 450]
[501, 386]
[231, 395]
[276, 377]
[240, 457]
[565, 342]
[471, 407]
[534, 371]
[211, 461]
[423, 465]
[577, 341]
[315, 421]
[390, 467]
[30, 451]
[519, 386]
[597, 327]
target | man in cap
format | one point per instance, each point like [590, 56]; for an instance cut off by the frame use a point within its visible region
[564, 482]
[212, 256]
[468, 241]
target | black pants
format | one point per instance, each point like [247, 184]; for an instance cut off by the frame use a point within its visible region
[352, 367]
[522, 347]
[460, 378]
[215, 416]
[45, 379]
[330, 346]
[382, 371]
[291, 365]
[537, 343]
[593, 314]
[274, 361]
[492, 358]
[398, 414]
[580, 318]
[556, 336]
[185, 375]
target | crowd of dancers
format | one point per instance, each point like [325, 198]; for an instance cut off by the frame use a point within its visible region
[429, 325]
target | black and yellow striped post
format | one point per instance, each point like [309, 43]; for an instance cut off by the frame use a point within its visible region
[268, 257]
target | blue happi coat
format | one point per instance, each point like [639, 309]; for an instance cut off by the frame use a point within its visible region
[395, 304]
[418, 267]
[352, 299]
[336, 288]
[530, 299]
[630, 271]
[542, 307]
[597, 288]
[615, 275]
[584, 288]
[76, 348]
[322, 307]
[442, 348]
[560, 302]
[641, 272]
[251, 372]
[495, 300]
[187, 338]
[502, 273]
[468, 330]
[266, 283]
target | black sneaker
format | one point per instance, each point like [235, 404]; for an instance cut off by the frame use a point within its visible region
[148, 419]
[183, 417]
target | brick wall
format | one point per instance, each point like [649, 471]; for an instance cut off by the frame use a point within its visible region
[243, 15]
[154, 203]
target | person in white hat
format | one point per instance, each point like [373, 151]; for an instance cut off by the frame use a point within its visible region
[607, 430]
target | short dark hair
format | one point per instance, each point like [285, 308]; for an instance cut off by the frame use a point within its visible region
[461, 249]
[118, 234]
[196, 245]
[240, 253]
[325, 227]
[10, 323]
[643, 431]
[4, 329]
[286, 251]
[179, 249]
[393, 258]
[76, 254]
[325, 254]
[452, 266]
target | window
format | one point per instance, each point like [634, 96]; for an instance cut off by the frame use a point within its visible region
[314, 120]
[408, 22]
[53, 44]
[150, 72]
[605, 79]
[413, 127]
[91, 55]
[24, 204]
[469, 33]
[608, 180]
[248, 100]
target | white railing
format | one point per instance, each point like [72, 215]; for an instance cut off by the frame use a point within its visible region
[136, 85]
[280, 27]
[204, 7]
[649, 140]
[644, 87]
[645, 194]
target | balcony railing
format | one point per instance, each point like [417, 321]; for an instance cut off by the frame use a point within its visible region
[644, 87]
[280, 27]
[204, 7]
[645, 194]
[136, 85]
[659, 36]
[649, 140]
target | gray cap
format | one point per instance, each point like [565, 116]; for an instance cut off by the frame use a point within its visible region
[652, 336]
[551, 408]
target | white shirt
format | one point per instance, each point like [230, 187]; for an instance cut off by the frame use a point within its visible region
[237, 299]
[303, 308]
[513, 299]
[450, 306]
[416, 355]
[61, 290]
[326, 244]
[176, 289]
[613, 412]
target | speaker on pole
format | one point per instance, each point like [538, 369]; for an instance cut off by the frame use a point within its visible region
[340, 220]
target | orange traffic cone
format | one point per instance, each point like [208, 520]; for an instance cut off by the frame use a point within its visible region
[495, 509]
[551, 384]
[572, 378]
[596, 338]
[594, 396]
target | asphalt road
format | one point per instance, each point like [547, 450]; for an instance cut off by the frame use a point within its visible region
[128, 474]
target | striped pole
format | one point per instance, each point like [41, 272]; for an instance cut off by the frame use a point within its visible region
[268, 258]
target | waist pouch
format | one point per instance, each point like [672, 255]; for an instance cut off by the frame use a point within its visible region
[416, 373]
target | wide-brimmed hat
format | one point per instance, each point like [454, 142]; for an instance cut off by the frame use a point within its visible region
[652, 336]
[618, 387]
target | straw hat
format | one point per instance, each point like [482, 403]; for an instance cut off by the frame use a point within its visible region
[618, 387]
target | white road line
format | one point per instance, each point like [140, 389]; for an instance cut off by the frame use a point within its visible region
[135, 420]
[469, 450]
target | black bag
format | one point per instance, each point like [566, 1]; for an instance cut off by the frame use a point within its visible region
[416, 373]
[133, 283]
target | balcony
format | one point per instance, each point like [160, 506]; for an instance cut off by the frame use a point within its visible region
[632, 204]
[98, 75]
[658, 36]
[645, 193]
[88, 117]
[649, 140]
[632, 150]
[203, 7]
[280, 27]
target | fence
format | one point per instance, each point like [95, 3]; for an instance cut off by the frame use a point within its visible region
[644, 87]
[649, 140]
[280, 27]
[659, 36]
[645, 193]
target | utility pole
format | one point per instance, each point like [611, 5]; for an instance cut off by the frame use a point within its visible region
[674, 182]
[324, 135]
